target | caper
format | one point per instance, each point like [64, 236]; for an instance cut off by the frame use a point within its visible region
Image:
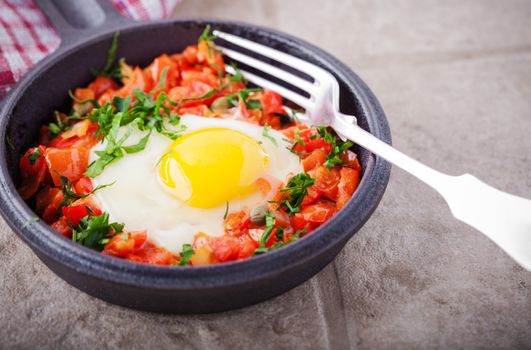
[258, 215]
[220, 105]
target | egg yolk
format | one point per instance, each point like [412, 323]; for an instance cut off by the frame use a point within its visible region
[210, 167]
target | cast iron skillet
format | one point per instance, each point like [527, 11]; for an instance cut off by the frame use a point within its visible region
[85, 40]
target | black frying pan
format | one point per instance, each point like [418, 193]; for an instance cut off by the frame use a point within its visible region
[86, 36]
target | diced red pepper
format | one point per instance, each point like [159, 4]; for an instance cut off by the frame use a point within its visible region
[75, 213]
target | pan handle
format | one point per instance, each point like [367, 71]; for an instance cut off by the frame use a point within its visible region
[74, 21]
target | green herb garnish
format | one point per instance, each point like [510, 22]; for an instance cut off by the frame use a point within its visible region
[36, 154]
[94, 231]
[95, 103]
[30, 221]
[243, 95]
[58, 126]
[69, 195]
[270, 222]
[206, 36]
[265, 133]
[110, 70]
[294, 192]
[207, 94]
[298, 141]
[338, 146]
[146, 113]
[226, 211]
[296, 236]
[186, 254]
[238, 76]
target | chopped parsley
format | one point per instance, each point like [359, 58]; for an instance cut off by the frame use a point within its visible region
[110, 70]
[294, 192]
[226, 211]
[94, 231]
[270, 225]
[207, 94]
[76, 100]
[296, 236]
[338, 146]
[298, 141]
[186, 254]
[146, 113]
[58, 126]
[243, 95]
[206, 36]
[265, 133]
[30, 221]
[70, 195]
[238, 76]
[36, 154]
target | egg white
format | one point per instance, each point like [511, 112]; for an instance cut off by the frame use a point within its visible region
[137, 197]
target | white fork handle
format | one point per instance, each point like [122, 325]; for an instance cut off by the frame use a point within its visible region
[504, 218]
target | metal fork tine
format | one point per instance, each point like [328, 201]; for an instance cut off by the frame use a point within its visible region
[312, 70]
[269, 69]
[282, 91]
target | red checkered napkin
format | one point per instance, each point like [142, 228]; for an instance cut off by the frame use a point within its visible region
[26, 36]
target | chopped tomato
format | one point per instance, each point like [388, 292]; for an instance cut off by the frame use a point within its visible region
[271, 106]
[68, 162]
[32, 161]
[79, 129]
[272, 102]
[83, 186]
[237, 223]
[225, 248]
[160, 64]
[200, 110]
[314, 159]
[314, 144]
[188, 57]
[124, 244]
[75, 213]
[82, 135]
[47, 203]
[61, 226]
[33, 171]
[100, 85]
[247, 247]
[200, 240]
[347, 185]
[326, 181]
[313, 195]
[151, 254]
[87, 202]
[312, 216]
[137, 81]
[211, 55]
[83, 94]
[290, 131]
[350, 159]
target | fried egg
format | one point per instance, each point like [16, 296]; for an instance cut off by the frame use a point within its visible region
[175, 189]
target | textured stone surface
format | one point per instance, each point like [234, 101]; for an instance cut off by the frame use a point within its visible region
[454, 78]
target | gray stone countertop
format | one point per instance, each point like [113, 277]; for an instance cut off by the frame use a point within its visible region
[454, 78]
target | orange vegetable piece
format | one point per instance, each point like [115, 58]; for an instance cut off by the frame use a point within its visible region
[347, 185]
[68, 162]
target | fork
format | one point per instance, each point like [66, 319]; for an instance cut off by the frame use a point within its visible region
[504, 218]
